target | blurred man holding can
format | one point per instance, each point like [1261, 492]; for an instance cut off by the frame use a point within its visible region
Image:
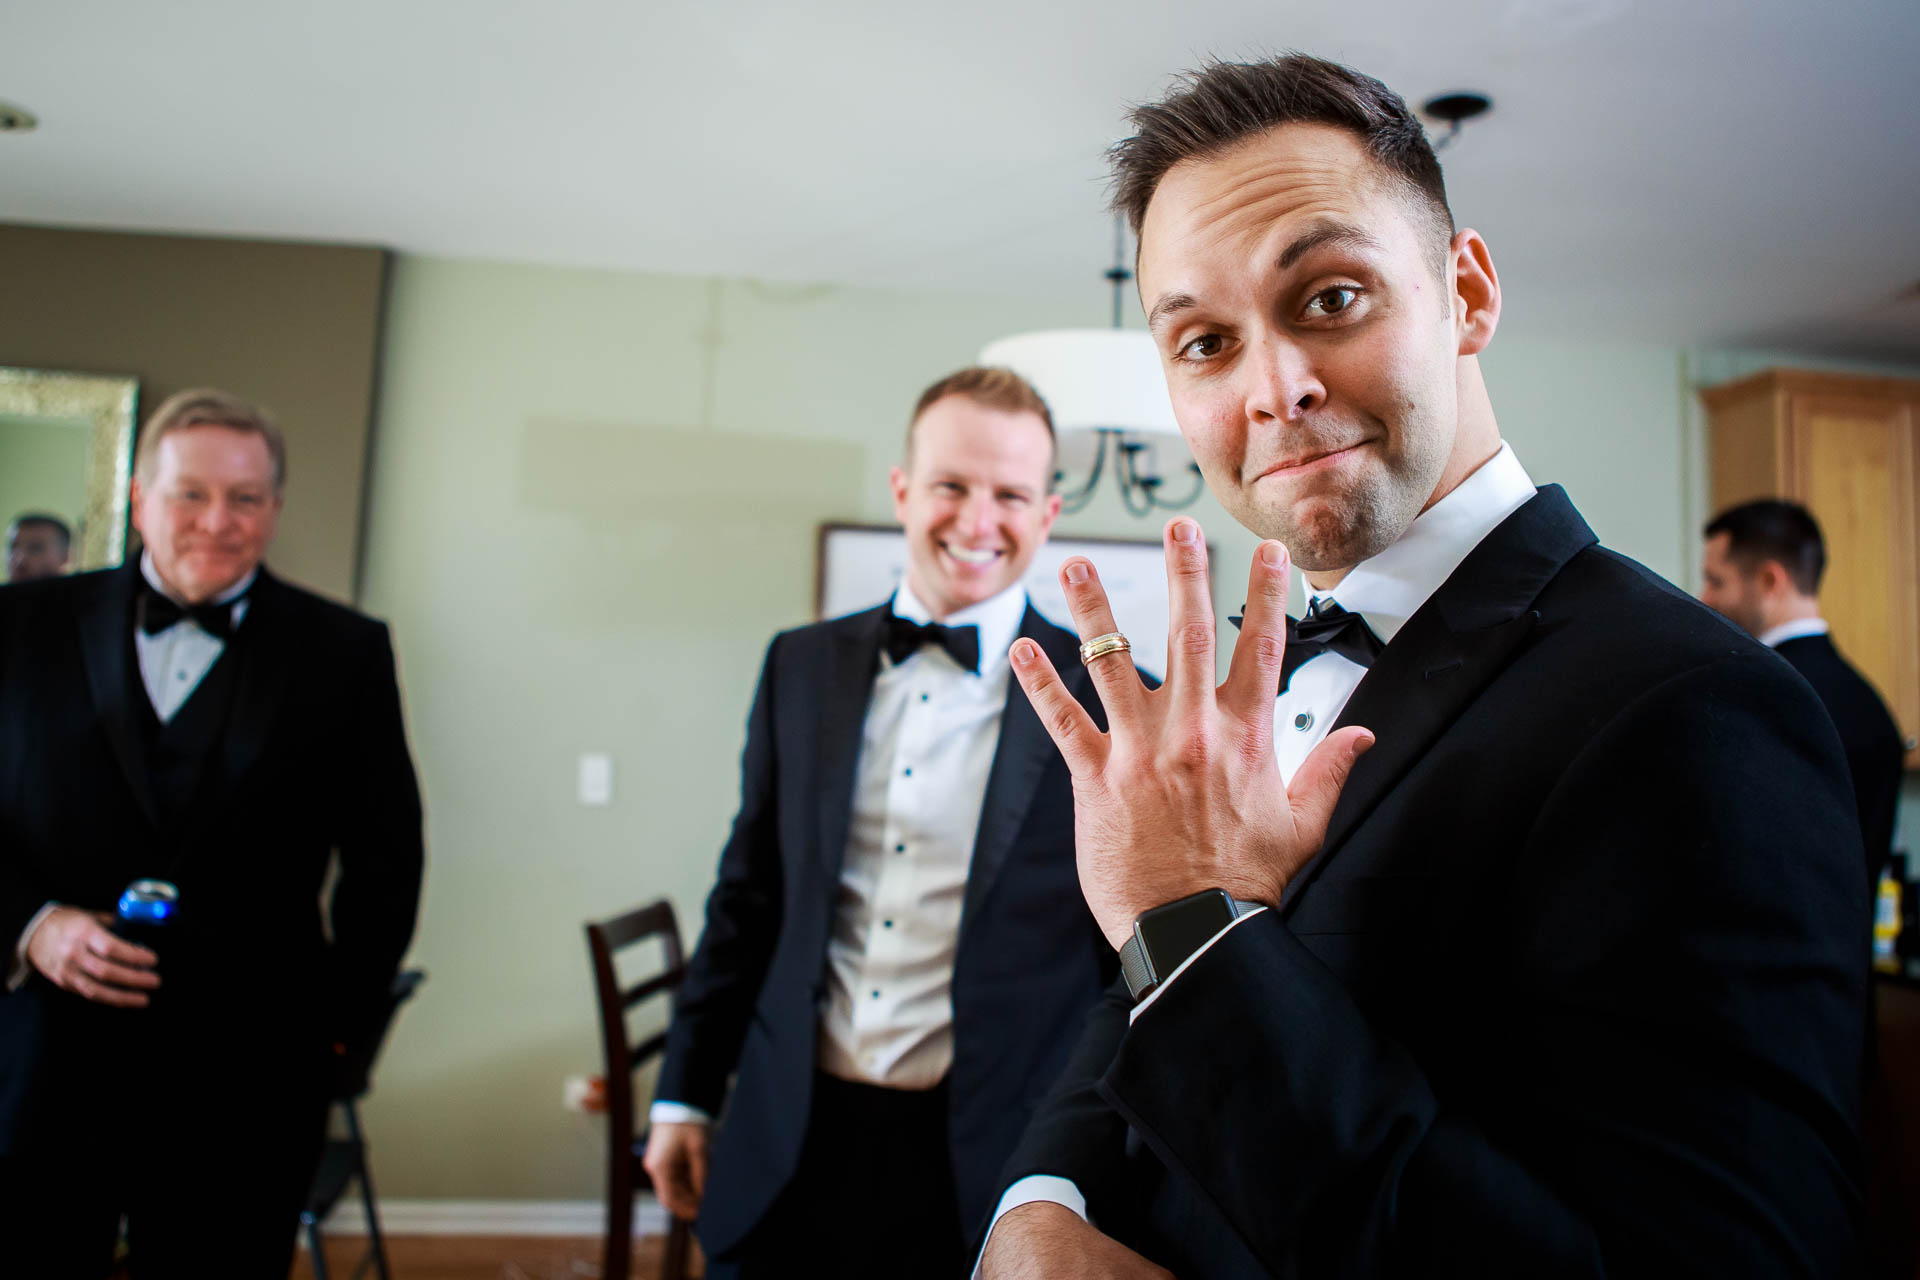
[190, 718]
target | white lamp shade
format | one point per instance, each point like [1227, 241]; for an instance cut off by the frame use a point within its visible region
[1091, 377]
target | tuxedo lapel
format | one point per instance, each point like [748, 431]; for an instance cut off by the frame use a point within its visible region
[1451, 649]
[845, 690]
[105, 620]
[1019, 760]
[266, 656]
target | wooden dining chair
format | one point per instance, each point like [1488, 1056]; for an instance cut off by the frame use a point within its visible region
[627, 1143]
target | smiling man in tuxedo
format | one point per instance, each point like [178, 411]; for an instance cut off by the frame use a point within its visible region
[1522, 935]
[192, 718]
[896, 953]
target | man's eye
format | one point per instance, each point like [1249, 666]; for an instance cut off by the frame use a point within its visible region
[1204, 347]
[1331, 302]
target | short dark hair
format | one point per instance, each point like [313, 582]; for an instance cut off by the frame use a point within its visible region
[46, 521]
[1773, 529]
[1224, 103]
[990, 388]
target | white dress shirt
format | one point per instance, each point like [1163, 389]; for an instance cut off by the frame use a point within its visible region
[172, 665]
[174, 662]
[927, 747]
[1793, 629]
[1385, 591]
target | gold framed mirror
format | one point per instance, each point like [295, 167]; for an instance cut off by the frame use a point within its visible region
[66, 451]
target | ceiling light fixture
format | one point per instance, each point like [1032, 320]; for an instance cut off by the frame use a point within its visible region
[1107, 383]
[16, 119]
[1453, 110]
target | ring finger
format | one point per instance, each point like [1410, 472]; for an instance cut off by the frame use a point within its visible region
[1113, 673]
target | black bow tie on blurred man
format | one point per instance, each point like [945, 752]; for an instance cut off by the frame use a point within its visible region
[904, 638]
[158, 612]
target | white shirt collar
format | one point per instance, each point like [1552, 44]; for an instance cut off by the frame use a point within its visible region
[1774, 637]
[998, 618]
[151, 573]
[1391, 587]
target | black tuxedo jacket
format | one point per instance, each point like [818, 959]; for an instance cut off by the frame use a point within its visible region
[312, 760]
[1029, 963]
[1575, 986]
[1875, 756]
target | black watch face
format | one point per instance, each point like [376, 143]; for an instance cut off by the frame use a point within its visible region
[1172, 933]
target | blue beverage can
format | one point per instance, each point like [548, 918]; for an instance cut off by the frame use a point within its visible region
[149, 903]
[143, 915]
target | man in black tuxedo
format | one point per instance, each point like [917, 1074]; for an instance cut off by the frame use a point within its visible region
[896, 953]
[1762, 567]
[1568, 980]
[191, 718]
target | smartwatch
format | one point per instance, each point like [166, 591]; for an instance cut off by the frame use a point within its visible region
[1165, 937]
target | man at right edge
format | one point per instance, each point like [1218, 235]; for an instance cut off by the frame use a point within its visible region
[1563, 976]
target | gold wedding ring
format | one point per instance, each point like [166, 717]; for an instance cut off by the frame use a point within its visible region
[1101, 646]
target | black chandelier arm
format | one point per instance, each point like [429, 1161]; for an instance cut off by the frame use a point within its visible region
[1142, 493]
[1136, 490]
[1193, 494]
[1079, 498]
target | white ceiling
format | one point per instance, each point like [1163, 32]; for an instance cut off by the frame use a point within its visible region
[1710, 172]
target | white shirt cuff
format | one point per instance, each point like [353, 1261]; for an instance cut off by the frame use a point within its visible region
[1175, 975]
[676, 1113]
[1033, 1189]
[19, 969]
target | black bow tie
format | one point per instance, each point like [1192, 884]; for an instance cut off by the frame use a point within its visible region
[162, 611]
[904, 638]
[1327, 628]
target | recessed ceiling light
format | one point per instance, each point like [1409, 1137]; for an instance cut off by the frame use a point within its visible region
[16, 119]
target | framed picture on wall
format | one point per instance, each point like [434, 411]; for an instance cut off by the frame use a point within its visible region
[859, 565]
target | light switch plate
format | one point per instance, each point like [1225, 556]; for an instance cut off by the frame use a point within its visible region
[596, 778]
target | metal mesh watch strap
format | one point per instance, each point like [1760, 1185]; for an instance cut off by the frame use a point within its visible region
[1133, 967]
[1144, 971]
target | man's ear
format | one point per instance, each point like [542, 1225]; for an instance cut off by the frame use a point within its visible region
[897, 481]
[1773, 577]
[1476, 292]
[1049, 512]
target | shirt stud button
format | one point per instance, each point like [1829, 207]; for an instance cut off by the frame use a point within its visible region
[1303, 721]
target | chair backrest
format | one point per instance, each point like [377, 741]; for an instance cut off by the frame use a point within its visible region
[605, 939]
[355, 1069]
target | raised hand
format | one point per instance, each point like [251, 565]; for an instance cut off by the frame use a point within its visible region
[1181, 794]
[1042, 1241]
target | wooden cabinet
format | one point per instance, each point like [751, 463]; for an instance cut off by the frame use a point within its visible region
[1844, 447]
